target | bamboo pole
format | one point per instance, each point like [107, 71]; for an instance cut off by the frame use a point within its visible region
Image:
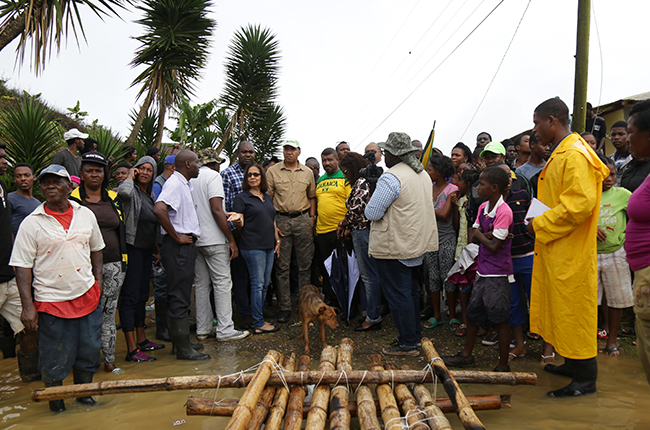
[463, 409]
[435, 416]
[176, 383]
[415, 419]
[263, 405]
[225, 407]
[339, 395]
[261, 408]
[294, 415]
[244, 410]
[389, 411]
[366, 409]
[274, 421]
[317, 416]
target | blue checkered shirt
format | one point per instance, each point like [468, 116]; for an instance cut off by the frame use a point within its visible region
[233, 177]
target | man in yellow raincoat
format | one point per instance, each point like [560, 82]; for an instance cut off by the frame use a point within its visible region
[563, 305]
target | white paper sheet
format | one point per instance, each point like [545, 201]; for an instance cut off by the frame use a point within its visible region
[536, 208]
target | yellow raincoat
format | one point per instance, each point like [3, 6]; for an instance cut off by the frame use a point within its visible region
[564, 303]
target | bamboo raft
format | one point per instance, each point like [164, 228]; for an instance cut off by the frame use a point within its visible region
[275, 394]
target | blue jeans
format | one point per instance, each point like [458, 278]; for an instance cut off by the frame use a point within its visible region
[523, 271]
[368, 272]
[260, 264]
[399, 283]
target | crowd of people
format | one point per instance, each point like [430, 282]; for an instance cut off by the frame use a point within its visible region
[465, 225]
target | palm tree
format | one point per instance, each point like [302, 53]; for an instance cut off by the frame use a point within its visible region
[31, 134]
[174, 49]
[45, 23]
[251, 76]
[196, 125]
[267, 131]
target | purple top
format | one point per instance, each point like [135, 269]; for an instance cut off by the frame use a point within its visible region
[637, 235]
[499, 222]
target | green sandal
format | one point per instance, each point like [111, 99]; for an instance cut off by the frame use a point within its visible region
[432, 323]
[454, 321]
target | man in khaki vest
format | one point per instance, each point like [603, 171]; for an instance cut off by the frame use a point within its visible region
[403, 229]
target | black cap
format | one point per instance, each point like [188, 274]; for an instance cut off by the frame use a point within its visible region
[94, 157]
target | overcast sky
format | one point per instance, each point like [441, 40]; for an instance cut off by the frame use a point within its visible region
[348, 67]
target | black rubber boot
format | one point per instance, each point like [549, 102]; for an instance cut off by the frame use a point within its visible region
[584, 379]
[162, 318]
[196, 346]
[83, 377]
[28, 366]
[179, 329]
[56, 405]
[565, 369]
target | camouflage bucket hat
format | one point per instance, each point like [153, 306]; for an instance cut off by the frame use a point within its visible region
[398, 144]
[209, 155]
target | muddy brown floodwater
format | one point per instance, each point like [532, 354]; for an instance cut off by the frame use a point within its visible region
[622, 401]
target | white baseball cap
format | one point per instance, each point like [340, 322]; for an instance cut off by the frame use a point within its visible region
[73, 133]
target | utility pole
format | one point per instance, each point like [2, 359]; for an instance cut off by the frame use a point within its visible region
[582, 67]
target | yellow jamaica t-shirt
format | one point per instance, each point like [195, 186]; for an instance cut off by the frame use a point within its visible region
[331, 193]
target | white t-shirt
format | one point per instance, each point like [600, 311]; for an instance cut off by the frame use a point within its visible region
[208, 185]
[60, 260]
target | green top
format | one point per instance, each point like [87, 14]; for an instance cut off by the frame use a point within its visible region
[613, 219]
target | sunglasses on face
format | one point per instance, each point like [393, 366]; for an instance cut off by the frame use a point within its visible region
[253, 175]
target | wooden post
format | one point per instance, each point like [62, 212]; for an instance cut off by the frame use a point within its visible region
[274, 422]
[317, 416]
[339, 396]
[175, 383]
[294, 415]
[389, 412]
[244, 410]
[582, 68]
[463, 409]
[407, 404]
[225, 407]
[435, 416]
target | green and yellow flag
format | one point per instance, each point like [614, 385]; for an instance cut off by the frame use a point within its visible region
[428, 148]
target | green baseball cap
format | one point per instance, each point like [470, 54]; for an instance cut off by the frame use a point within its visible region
[493, 147]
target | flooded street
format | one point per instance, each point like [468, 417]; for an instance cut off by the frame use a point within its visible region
[622, 401]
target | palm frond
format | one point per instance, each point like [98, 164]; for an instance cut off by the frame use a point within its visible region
[31, 134]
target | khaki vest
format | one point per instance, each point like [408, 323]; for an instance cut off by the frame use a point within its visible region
[408, 229]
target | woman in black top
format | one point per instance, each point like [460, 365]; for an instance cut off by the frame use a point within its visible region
[141, 224]
[93, 193]
[259, 240]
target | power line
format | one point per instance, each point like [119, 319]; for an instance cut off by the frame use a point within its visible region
[430, 58]
[495, 73]
[435, 69]
[600, 51]
[391, 41]
[399, 65]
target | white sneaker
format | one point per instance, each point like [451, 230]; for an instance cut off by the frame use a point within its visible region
[201, 336]
[235, 336]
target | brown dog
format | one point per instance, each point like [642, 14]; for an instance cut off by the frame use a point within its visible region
[313, 308]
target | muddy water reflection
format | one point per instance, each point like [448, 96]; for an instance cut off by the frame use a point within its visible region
[623, 399]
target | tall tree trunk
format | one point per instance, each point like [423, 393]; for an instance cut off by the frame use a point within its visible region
[12, 29]
[227, 134]
[138, 121]
[161, 125]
